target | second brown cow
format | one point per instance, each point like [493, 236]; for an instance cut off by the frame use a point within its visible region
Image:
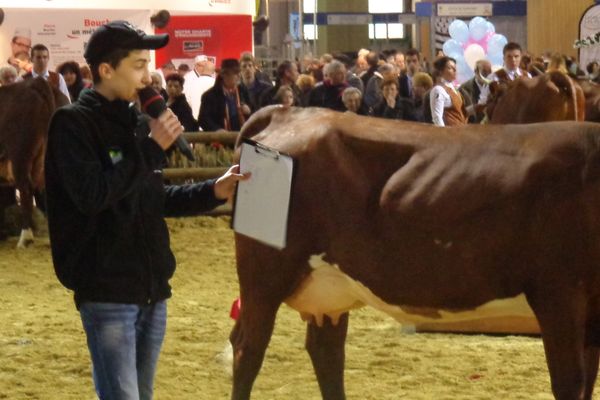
[548, 97]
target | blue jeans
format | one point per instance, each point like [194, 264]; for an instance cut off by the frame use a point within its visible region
[124, 342]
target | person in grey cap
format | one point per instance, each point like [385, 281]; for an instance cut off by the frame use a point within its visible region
[106, 205]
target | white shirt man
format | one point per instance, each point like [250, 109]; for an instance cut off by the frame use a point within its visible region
[512, 60]
[40, 57]
[198, 81]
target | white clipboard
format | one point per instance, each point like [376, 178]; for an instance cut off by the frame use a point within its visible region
[262, 202]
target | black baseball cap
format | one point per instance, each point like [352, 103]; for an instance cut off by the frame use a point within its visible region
[121, 35]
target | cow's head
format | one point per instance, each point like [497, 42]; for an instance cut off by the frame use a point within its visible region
[497, 90]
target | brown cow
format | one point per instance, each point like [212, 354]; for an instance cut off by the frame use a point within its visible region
[422, 221]
[26, 110]
[549, 97]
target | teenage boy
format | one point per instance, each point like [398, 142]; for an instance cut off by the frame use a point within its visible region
[106, 209]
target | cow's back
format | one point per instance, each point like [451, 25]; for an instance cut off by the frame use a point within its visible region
[27, 108]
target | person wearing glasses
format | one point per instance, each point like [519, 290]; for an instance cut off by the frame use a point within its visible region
[20, 47]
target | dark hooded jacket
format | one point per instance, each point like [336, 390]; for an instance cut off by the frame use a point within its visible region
[107, 202]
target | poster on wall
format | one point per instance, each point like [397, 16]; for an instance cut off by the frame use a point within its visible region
[215, 36]
[63, 32]
[589, 26]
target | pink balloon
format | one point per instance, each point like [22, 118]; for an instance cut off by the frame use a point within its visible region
[468, 43]
[483, 43]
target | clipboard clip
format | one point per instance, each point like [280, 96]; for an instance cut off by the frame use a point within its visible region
[262, 149]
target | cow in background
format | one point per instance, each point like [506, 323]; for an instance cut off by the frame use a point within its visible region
[549, 97]
[591, 90]
[26, 110]
[423, 222]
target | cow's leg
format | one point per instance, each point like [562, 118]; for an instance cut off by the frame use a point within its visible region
[560, 313]
[7, 198]
[325, 345]
[37, 179]
[592, 356]
[592, 348]
[250, 337]
[26, 195]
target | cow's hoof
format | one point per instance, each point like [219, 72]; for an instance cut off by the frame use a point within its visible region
[26, 239]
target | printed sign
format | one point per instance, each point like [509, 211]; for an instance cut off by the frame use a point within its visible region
[464, 9]
[63, 32]
[589, 26]
[216, 36]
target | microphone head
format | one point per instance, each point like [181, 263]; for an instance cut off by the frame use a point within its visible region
[152, 103]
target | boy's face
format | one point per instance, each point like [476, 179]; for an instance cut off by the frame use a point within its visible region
[130, 75]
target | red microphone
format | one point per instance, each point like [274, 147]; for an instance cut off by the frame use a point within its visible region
[154, 105]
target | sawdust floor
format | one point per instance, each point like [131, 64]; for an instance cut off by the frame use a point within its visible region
[43, 353]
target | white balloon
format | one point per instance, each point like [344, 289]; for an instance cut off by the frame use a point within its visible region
[474, 53]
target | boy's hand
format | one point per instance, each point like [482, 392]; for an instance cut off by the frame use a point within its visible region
[225, 185]
[165, 129]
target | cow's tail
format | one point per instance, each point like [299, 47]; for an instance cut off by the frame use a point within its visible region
[259, 121]
[572, 91]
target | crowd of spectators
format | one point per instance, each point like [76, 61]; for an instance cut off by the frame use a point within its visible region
[391, 84]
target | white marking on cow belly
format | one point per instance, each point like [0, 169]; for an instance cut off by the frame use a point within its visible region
[328, 291]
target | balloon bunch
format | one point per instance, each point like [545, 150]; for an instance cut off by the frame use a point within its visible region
[471, 43]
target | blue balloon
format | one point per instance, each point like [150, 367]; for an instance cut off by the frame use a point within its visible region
[461, 62]
[490, 28]
[459, 31]
[496, 44]
[463, 76]
[462, 67]
[452, 48]
[496, 59]
[478, 28]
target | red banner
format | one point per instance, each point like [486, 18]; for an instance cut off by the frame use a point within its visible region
[217, 37]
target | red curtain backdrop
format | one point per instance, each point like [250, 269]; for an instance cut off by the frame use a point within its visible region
[216, 36]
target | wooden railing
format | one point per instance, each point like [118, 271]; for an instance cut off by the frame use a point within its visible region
[186, 171]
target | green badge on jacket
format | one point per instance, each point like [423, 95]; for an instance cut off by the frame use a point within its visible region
[115, 155]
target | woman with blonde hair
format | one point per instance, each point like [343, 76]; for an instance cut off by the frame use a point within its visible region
[557, 63]
[422, 84]
[306, 84]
